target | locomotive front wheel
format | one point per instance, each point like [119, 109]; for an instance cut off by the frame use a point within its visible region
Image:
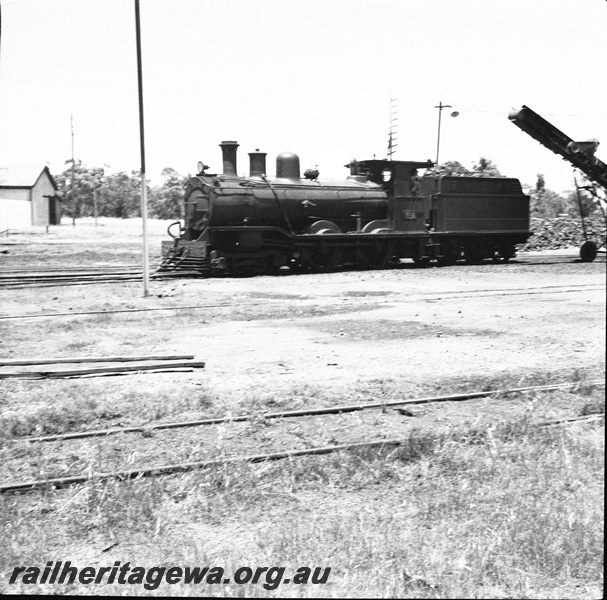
[321, 257]
[588, 251]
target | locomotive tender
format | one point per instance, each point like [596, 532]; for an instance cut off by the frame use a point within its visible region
[381, 213]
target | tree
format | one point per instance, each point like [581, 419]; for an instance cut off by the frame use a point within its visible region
[166, 200]
[121, 195]
[485, 168]
[86, 180]
[584, 204]
[544, 202]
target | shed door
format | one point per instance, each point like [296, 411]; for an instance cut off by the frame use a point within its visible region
[52, 210]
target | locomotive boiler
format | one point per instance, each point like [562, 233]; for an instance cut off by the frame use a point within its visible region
[382, 212]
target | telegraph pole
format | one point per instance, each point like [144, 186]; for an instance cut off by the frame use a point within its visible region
[392, 129]
[144, 200]
[95, 204]
[73, 198]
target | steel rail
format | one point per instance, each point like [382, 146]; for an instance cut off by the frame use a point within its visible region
[571, 420]
[40, 268]
[303, 412]
[46, 279]
[39, 283]
[26, 275]
[187, 466]
[125, 310]
[61, 482]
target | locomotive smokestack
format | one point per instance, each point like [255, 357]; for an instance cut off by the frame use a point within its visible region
[229, 157]
[257, 161]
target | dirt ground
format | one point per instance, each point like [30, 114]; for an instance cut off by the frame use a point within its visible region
[543, 312]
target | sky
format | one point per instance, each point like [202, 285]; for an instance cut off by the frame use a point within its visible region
[314, 77]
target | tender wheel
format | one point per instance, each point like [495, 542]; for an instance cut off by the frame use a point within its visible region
[422, 261]
[473, 253]
[588, 251]
[451, 253]
[503, 253]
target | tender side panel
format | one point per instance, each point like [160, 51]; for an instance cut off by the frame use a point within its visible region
[480, 205]
[480, 214]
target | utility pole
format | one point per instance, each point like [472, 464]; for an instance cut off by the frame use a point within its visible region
[95, 204]
[72, 197]
[440, 112]
[144, 200]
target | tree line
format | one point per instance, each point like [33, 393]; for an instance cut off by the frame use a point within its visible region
[97, 193]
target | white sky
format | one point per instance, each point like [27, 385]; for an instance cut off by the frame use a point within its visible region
[308, 76]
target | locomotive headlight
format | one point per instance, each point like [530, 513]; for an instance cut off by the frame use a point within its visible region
[200, 166]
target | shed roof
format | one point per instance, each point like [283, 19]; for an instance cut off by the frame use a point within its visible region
[23, 176]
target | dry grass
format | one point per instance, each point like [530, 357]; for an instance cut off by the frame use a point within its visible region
[510, 510]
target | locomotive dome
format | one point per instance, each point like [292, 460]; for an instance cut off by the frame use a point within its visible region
[287, 166]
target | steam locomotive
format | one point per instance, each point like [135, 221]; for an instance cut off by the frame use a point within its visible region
[381, 213]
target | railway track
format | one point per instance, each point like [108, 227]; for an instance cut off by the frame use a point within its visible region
[430, 297]
[57, 457]
[18, 279]
[62, 276]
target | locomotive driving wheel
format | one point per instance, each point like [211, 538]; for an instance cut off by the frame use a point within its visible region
[321, 256]
[375, 257]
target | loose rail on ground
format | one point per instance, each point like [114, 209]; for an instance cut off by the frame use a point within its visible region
[307, 412]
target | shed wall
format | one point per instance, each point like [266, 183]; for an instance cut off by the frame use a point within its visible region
[15, 213]
[40, 204]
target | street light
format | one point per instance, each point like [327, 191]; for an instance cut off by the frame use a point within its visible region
[440, 112]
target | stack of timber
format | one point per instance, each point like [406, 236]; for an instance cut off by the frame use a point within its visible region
[100, 367]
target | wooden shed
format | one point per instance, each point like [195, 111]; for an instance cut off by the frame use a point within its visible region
[28, 197]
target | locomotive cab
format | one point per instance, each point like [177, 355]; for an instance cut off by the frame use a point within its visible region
[396, 177]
